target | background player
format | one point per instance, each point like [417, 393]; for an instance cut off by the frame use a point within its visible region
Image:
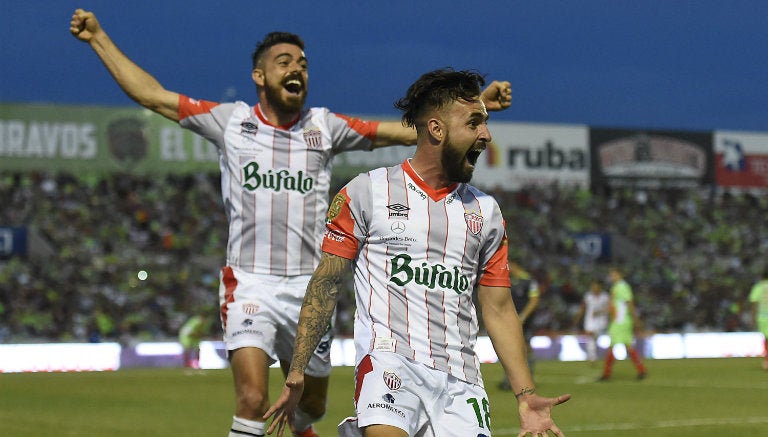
[758, 296]
[275, 159]
[190, 335]
[416, 325]
[594, 310]
[526, 295]
[623, 322]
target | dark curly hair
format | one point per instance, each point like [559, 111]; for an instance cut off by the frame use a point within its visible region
[274, 38]
[436, 89]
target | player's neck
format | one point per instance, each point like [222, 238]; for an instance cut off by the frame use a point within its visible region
[275, 117]
[430, 172]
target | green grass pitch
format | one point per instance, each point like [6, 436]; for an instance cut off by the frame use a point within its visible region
[695, 397]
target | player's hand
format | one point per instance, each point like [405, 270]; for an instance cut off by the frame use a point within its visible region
[84, 25]
[284, 408]
[535, 415]
[497, 96]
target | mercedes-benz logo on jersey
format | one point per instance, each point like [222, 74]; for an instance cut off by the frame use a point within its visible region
[398, 210]
[398, 227]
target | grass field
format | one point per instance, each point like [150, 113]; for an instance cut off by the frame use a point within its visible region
[696, 397]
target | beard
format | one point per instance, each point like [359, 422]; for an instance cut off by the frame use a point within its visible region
[454, 161]
[291, 105]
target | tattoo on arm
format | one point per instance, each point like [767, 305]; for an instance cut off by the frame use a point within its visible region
[318, 307]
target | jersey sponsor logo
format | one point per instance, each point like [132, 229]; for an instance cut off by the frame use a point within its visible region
[313, 138]
[387, 407]
[397, 227]
[398, 210]
[474, 221]
[432, 276]
[334, 236]
[276, 180]
[392, 381]
[335, 208]
[416, 190]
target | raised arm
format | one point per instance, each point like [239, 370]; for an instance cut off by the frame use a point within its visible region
[316, 312]
[506, 334]
[135, 82]
[497, 96]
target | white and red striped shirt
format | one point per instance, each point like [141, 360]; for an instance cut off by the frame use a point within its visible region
[418, 255]
[275, 179]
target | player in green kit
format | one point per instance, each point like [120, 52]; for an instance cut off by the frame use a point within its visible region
[623, 316]
[759, 298]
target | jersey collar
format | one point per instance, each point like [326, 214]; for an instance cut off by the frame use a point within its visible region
[434, 194]
[257, 111]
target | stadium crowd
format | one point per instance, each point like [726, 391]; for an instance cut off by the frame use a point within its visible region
[126, 257]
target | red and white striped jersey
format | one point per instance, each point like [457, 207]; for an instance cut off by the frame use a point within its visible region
[418, 255]
[274, 179]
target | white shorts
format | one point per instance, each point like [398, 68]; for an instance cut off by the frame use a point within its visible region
[262, 311]
[596, 325]
[393, 390]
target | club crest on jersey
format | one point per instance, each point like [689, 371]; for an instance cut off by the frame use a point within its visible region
[392, 381]
[474, 221]
[335, 208]
[313, 138]
[250, 308]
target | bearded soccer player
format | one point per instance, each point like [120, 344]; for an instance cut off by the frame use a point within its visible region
[421, 241]
[275, 160]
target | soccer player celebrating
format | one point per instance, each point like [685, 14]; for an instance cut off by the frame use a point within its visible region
[275, 160]
[759, 298]
[421, 241]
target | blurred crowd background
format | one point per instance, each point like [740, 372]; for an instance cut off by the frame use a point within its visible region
[130, 258]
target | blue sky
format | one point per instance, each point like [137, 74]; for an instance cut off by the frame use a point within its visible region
[674, 64]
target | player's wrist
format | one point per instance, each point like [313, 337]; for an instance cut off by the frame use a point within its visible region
[525, 392]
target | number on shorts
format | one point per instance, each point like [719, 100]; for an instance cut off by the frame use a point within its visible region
[484, 416]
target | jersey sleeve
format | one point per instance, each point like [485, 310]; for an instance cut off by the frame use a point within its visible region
[205, 118]
[189, 107]
[339, 238]
[495, 272]
[346, 221]
[351, 133]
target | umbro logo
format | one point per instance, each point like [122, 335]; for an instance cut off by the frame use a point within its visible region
[398, 210]
[248, 127]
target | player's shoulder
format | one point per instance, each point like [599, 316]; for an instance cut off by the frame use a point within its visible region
[484, 199]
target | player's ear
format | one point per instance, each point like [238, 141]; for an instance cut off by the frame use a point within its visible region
[258, 76]
[436, 129]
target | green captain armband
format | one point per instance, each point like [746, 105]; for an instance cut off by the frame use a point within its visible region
[526, 391]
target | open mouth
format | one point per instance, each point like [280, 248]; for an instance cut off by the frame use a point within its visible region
[473, 155]
[293, 86]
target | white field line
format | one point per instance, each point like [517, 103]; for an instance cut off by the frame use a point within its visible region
[658, 382]
[665, 424]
